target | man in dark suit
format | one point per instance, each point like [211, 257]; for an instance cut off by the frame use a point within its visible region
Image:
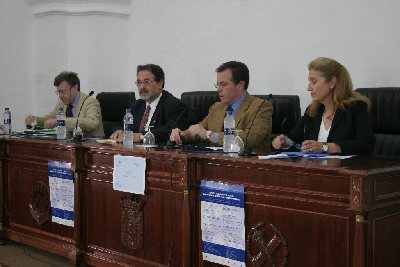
[156, 109]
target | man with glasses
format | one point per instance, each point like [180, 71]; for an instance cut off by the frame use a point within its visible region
[157, 109]
[74, 103]
[232, 84]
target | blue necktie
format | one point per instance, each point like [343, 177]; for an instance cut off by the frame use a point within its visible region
[229, 110]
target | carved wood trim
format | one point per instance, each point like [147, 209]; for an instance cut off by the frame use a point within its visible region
[40, 203]
[266, 249]
[356, 186]
[132, 222]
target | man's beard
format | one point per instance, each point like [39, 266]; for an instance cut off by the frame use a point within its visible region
[148, 97]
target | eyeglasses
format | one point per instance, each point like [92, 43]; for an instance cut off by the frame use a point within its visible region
[144, 82]
[220, 85]
[65, 92]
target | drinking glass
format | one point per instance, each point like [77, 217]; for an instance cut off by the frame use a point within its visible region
[238, 144]
[148, 138]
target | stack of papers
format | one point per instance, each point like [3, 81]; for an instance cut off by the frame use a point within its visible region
[42, 132]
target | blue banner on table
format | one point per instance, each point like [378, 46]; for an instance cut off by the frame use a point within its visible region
[61, 183]
[222, 223]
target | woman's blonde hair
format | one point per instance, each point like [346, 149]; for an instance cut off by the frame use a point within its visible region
[343, 94]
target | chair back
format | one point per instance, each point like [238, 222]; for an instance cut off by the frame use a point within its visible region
[286, 113]
[199, 102]
[113, 105]
[385, 118]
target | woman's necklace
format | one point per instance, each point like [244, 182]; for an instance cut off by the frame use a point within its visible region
[327, 119]
[330, 117]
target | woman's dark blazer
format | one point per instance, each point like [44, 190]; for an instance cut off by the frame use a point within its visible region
[351, 129]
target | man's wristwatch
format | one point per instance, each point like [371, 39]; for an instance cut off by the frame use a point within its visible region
[325, 147]
[208, 134]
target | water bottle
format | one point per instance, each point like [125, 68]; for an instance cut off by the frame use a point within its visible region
[229, 135]
[61, 129]
[7, 121]
[128, 129]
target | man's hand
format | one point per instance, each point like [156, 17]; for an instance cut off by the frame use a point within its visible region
[118, 135]
[176, 136]
[50, 123]
[280, 142]
[197, 130]
[30, 119]
[136, 137]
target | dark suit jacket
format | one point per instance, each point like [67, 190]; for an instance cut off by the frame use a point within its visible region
[165, 117]
[351, 129]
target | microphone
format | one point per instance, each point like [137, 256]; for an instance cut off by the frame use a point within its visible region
[247, 151]
[77, 133]
[172, 144]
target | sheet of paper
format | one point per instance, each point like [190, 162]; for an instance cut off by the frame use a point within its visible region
[338, 157]
[106, 141]
[274, 156]
[222, 223]
[61, 183]
[129, 174]
[304, 155]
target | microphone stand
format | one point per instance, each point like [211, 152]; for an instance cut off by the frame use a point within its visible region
[247, 150]
[77, 135]
[172, 144]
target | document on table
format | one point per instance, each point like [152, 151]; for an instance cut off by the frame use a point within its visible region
[286, 155]
[129, 174]
[222, 223]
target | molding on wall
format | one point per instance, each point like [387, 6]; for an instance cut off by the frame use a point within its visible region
[116, 8]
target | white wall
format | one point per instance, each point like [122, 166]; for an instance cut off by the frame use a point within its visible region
[277, 39]
[189, 39]
[15, 58]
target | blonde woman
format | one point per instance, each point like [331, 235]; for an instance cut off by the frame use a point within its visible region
[337, 120]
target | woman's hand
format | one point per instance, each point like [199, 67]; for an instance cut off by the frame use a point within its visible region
[311, 146]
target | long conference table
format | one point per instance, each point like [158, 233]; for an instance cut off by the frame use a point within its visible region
[298, 212]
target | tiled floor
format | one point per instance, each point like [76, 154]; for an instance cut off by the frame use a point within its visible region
[18, 255]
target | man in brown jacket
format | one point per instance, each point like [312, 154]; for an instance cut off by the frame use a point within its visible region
[232, 84]
[74, 103]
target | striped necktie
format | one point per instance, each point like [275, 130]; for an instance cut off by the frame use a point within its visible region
[145, 117]
[68, 112]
